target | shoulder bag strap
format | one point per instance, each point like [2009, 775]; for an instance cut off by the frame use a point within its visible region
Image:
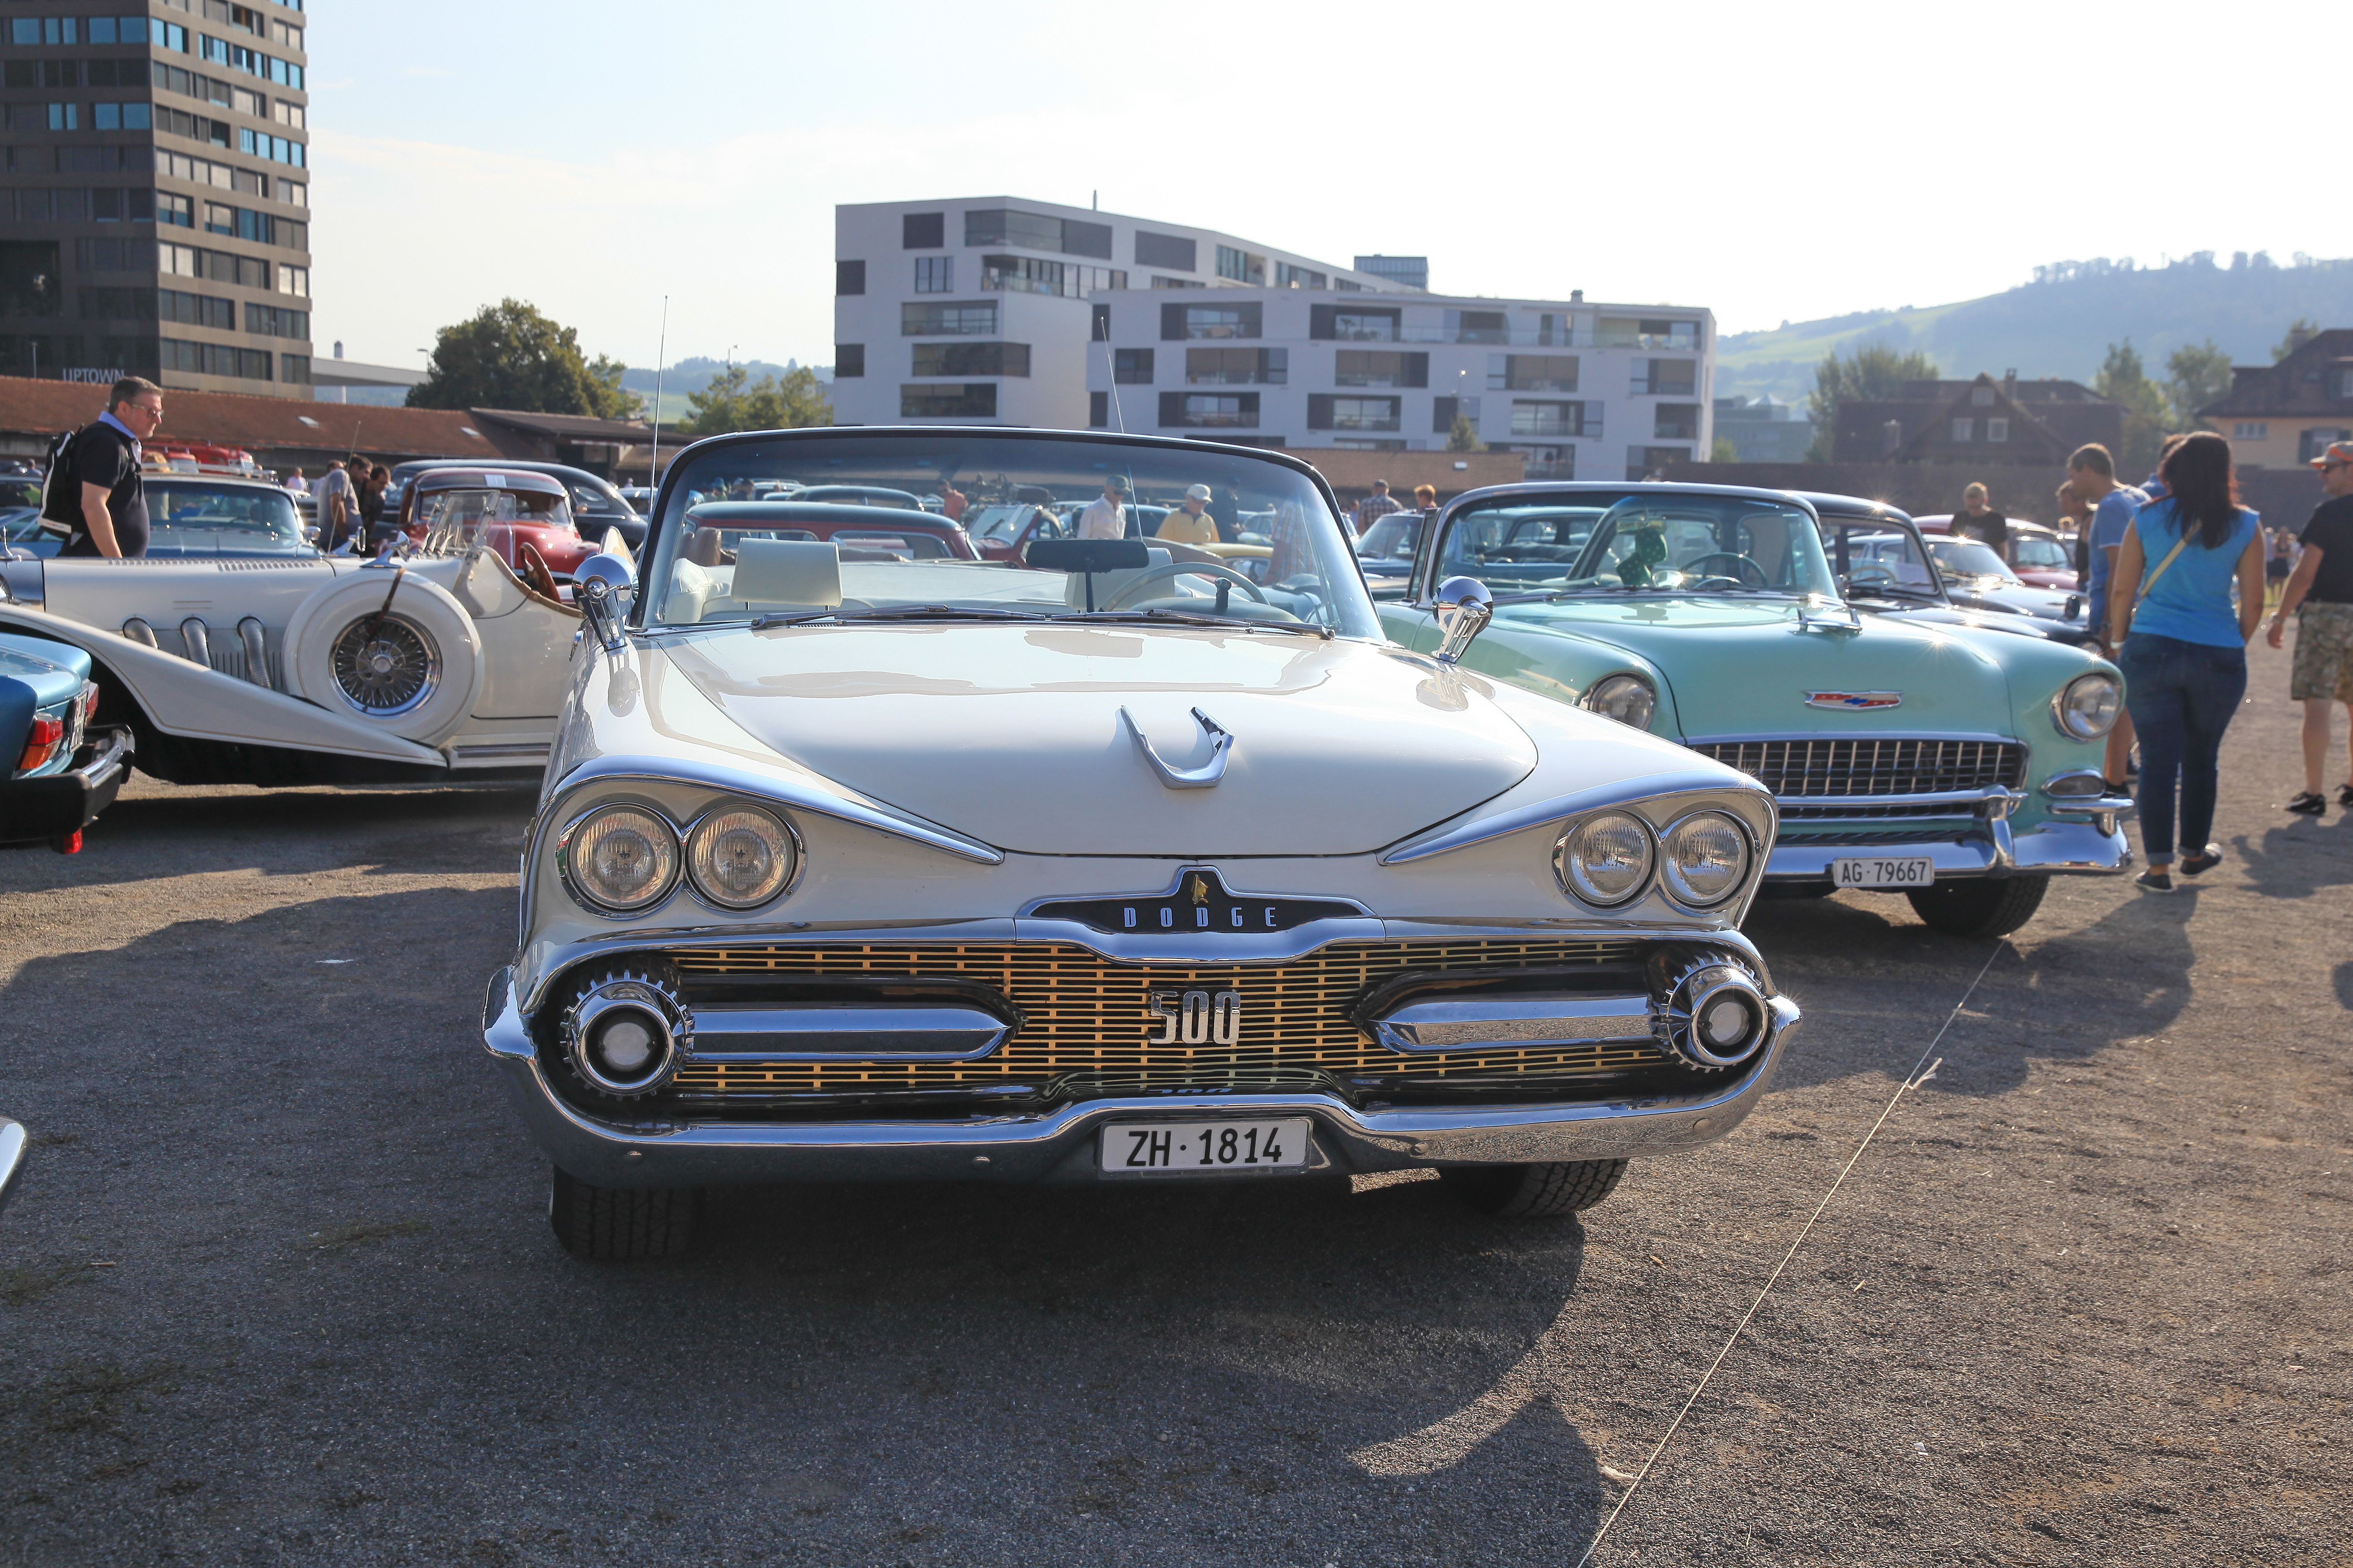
[2149, 582]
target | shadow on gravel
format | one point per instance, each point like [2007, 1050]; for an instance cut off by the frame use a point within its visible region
[2298, 859]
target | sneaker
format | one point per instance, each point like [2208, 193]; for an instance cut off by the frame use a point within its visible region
[2345, 795]
[2205, 860]
[2155, 880]
[2307, 804]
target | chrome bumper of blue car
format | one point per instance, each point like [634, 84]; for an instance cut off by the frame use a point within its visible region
[2062, 847]
[1059, 1145]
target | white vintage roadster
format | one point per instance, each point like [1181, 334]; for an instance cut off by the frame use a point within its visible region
[1103, 866]
[303, 668]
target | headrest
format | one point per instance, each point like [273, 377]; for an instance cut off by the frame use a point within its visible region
[788, 572]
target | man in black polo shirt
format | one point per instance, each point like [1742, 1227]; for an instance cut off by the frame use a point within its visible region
[97, 492]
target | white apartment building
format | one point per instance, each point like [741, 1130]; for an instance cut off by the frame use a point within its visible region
[1585, 391]
[982, 309]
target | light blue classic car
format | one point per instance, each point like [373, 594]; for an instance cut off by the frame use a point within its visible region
[1959, 767]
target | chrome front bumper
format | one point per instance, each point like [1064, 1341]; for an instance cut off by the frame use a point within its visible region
[1059, 1145]
[2062, 847]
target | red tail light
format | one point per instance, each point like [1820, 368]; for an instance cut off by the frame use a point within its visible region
[42, 744]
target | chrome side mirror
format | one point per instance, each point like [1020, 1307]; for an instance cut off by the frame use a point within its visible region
[602, 586]
[1463, 609]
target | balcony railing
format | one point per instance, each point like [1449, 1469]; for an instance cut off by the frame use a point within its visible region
[1515, 337]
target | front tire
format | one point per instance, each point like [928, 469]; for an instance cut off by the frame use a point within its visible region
[1979, 909]
[1535, 1192]
[620, 1225]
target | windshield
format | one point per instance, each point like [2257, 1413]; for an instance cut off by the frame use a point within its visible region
[1870, 558]
[2039, 554]
[719, 560]
[1967, 558]
[1649, 542]
[252, 516]
[455, 520]
[1393, 538]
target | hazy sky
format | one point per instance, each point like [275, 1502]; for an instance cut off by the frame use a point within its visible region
[1771, 161]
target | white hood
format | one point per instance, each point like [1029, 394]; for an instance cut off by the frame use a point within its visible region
[1012, 734]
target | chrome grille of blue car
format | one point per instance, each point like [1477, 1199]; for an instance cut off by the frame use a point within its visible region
[1884, 765]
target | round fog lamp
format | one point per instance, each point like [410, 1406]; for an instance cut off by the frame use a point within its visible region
[623, 1045]
[1625, 698]
[1706, 856]
[619, 858]
[740, 856]
[1725, 1024]
[2087, 707]
[1606, 859]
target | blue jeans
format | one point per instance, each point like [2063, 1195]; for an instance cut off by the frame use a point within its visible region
[2182, 695]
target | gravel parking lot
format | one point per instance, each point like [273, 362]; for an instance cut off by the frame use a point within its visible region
[279, 1288]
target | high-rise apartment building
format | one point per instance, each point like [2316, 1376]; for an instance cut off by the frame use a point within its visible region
[156, 198]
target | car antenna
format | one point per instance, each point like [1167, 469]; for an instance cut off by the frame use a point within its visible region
[1111, 365]
[661, 350]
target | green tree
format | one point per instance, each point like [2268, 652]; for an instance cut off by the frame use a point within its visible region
[2124, 381]
[511, 355]
[732, 401]
[2195, 376]
[1463, 436]
[1723, 451]
[2300, 331]
[1870, 373]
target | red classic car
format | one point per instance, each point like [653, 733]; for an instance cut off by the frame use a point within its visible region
[516, 512]
[2041, 557]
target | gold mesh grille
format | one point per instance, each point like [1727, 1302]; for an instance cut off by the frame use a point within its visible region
[1085, 1019]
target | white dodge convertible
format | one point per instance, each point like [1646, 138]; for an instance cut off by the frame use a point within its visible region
[282, 669]
[1110, 866]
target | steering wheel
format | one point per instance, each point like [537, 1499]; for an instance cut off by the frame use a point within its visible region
[1741, 567]
[1867, 574]
[532, 570]
[1153, 576]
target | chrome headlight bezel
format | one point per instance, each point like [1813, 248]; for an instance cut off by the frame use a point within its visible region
[797, 852]
[568, 870]
[1670, 872]
[1610, 692]
[2063, 712]
[1574, 882]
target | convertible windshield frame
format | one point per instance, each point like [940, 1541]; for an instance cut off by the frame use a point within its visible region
[1310, 577]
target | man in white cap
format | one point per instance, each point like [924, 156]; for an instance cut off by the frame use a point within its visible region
[1191, 523]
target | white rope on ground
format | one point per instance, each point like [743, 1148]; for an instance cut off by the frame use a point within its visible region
[1922, 1071]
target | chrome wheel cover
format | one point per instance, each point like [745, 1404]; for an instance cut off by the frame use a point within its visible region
[384, 667]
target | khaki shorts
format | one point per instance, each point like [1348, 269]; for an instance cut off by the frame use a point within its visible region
[2324, 654]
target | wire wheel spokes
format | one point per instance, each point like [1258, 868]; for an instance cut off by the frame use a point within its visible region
[385, 665]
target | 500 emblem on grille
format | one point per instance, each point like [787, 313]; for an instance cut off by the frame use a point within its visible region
[1196, 1017]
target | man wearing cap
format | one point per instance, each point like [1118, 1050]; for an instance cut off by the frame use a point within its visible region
[2092, 474]
[1106, 518]
[1191, 523]
[1375, 507]
[2320, 595]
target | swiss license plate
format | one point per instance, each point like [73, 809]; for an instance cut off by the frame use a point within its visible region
[1884, 871]
[1174, 1148]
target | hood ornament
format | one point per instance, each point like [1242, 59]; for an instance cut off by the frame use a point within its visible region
[1207, 776]
[1854, 700]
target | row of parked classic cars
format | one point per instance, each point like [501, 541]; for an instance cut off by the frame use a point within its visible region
[866, 851]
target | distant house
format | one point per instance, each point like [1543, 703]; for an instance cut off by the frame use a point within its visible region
[2277, 415]
[1763, 429]
[1978, 421]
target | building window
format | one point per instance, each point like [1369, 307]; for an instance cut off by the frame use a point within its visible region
[2316, 442]
[848, 361]
[1965, 429]
[275, 321]
[936, 275]
[1358, 444]
[1530, 417]
[972, 359]
[2345, 383]
[1178, 323]
[1241, 266]
[65, 116]
[1355, 323]
[1676, 422]
[1981, 397]
[1130, 367]
[965, 320]
[1327, 411]
[1673, 377]
[1034, 275]
[923, 231]
[1996, 430]
[294, 369]
[1443, 412]
[28, 278]
[1098, 410]
[1208, 410]
[1532, 372]
[1237, 367]
[1160, 282]
[1478, 327]
[1286, 276]
[1647, 462]
[1378, 367]
[1549, 462]
[1036, 231]
[849, 278]
[1167, 250]
[216, 359]
[1555, 332]
[975, 400]
[1645, 332]
[294, 281]
[2251, 430]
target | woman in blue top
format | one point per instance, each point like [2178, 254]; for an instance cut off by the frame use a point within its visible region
[2185, 644]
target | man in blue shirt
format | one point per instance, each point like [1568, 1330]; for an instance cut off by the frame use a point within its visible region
[2092, 474]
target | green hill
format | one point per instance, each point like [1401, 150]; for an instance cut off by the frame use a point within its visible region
[2062, 323]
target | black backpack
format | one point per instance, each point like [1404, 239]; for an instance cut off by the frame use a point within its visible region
[60, 502]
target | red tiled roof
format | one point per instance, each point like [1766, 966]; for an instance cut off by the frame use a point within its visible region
[42, 408]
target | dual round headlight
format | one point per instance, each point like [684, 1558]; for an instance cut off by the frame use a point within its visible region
[1625, 698]
[2087, 707]
[1608, 858]
[619, 860]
